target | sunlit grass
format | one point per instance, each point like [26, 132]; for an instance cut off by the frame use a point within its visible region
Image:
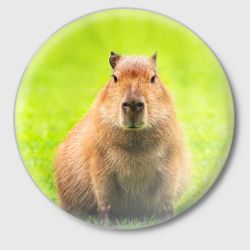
[70, 69]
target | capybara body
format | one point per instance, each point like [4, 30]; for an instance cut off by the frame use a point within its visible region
[127, 157]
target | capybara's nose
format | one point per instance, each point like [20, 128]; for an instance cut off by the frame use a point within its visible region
[133, 106]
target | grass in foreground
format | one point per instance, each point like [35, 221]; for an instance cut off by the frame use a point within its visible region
[125, 223]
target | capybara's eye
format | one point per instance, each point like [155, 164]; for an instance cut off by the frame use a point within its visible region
[153, 79]
[115, 78]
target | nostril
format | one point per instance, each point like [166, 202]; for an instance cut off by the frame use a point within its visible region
[140, 106]
[125, 106]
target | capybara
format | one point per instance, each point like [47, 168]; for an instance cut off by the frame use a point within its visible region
[127, 157]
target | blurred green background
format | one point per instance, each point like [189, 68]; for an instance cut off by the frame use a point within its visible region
[68, 71]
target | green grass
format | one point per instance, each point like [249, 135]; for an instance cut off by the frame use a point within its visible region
[125, 223]
[69, 70]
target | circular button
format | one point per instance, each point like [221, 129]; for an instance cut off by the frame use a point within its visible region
[124, 118]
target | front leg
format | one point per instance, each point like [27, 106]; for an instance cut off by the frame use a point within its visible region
[103, 215]
[166, 212]
[104, 189]
[165, 203]
[106, 192]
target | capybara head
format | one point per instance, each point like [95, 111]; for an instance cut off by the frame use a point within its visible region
[135, 97]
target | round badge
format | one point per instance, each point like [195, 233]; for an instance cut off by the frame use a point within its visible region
[124, 118]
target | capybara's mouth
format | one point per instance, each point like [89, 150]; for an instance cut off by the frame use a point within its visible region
[133, 127]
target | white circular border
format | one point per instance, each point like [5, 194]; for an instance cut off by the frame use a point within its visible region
[218, 221]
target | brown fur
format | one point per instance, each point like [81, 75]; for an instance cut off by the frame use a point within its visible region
[106, 168]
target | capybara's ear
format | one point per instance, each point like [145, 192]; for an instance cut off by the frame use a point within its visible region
[113, 59]
[154, 57]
